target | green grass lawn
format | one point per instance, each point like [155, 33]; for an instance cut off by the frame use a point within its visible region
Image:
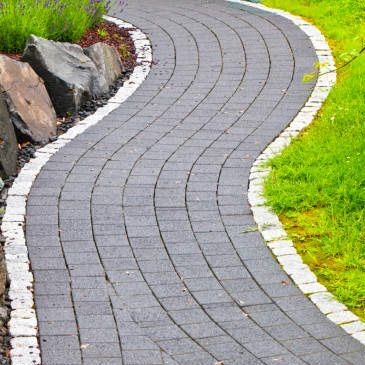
[317, 185]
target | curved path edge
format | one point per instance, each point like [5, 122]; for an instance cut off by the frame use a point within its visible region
[268, 222]
[23, 324]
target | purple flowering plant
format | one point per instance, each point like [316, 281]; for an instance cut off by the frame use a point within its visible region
[61, 20]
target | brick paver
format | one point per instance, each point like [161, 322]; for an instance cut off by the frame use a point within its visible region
[139, 229]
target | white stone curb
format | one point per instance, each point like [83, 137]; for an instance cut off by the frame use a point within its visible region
[23, 325]
[267, 221]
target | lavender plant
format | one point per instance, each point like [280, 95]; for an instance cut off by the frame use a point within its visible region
[61, 20]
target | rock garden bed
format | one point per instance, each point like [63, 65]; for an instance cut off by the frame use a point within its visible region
[33, 110]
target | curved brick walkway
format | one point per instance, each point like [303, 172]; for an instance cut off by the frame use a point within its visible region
[135, 228]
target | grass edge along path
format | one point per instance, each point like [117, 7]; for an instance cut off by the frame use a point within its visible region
[317, 185]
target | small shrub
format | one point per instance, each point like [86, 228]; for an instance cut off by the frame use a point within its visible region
[60, 20]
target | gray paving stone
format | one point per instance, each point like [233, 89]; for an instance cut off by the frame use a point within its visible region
[103, 361]
[94, 321]
[343, 344]
[58, 328]
[102, 349]
[56, 314]
[283, 360]
[199, 331]
[90, 335]
[169, 290]
[60, 349]
[286, 332]
[137, 343]
[142, 357]
[356, 358]
[323, 358]
[270, 318]
[189, 316]
[55, 288]
[53, 301]
[266, 348]
[323, 330]
[92, 309]
[303, 346]
[164, 333]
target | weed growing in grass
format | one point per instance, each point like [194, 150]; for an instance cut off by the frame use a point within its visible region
[61, 20]
[317, 185]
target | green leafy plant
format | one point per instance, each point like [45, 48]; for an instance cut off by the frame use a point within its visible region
[123, 50]
[61, 20]
[102, 32]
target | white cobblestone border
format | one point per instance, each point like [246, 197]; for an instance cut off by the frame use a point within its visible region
[23, 321]
[267, 221]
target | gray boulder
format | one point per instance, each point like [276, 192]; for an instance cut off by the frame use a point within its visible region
[28, 102]
[8, 145]
[107, 61]
[71, 78]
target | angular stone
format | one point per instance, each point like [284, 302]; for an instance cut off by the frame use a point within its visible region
[354, 327]
[107, 61]
[71, 78]
[8, 143]
[342, 317]
[29, 105]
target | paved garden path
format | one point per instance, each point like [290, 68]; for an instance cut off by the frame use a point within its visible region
[136, 228]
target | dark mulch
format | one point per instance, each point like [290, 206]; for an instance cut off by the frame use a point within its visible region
[108, 33]
[115, 36]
